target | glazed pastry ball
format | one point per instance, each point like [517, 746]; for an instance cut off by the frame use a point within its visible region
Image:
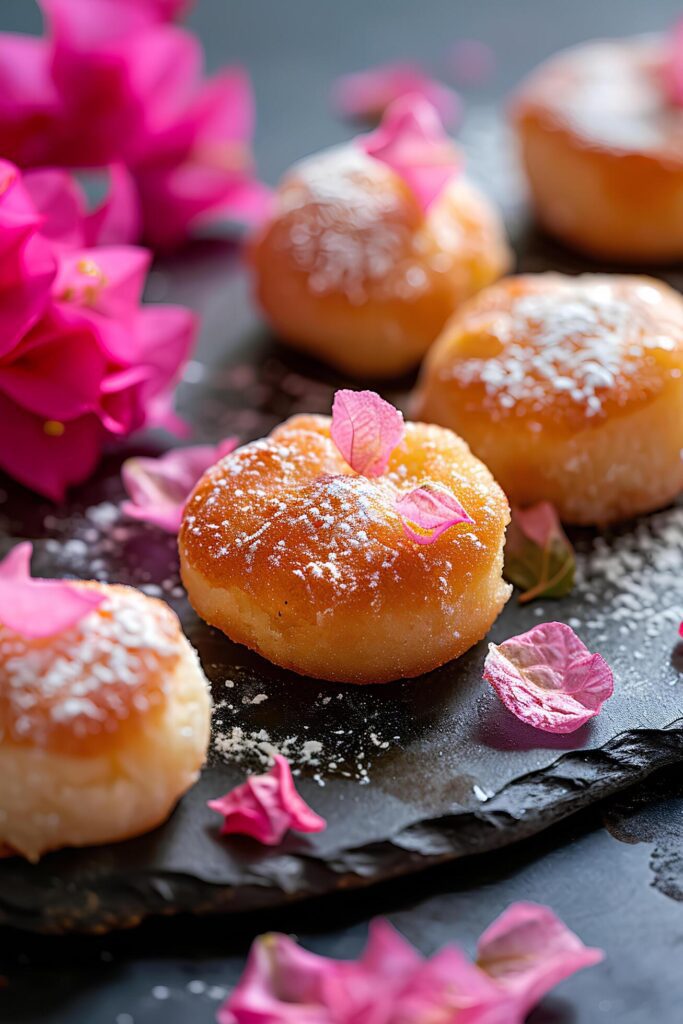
[569, 389]
[602, 145]
[102, 727]
[350, 270]
[288, 551]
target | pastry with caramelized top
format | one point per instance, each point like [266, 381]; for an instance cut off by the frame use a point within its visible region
[600, 128]
[570, 389]
[372, 245]
[104, 722]
[354, 549]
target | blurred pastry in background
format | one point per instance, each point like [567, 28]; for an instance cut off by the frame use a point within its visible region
[600, 128]
[373, 244]
[570, 389]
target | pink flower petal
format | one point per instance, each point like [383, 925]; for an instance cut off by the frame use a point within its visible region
[282, 984]
[548, 678]
[365, 429]
[528, 951]
[267, 806]
[538, 556]
[430, 508]
[30, 105]
[118, 218]
[109, 279]
[159, 488]
[673, 64]
[365, 95]
[411, 141]
[45, 454]
[36, 607]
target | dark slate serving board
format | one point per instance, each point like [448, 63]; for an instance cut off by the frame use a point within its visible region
[408, 774]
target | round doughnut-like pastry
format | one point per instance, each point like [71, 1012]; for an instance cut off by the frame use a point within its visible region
[602, 145]
[351, 270]
[570, 389]
[290, 552]
[102, 727]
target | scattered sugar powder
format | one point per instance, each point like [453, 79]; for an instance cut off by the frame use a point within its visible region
[632, 582]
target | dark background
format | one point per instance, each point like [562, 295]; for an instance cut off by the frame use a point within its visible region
[618, 887]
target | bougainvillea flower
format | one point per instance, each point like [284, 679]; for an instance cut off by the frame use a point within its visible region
[411, 141]
[365, 429]
[30, 106]
[548, 678]
[158, 489]
[520, 957]
[80, 358]
[39, 607]
[528, 950]
[538, 556]
[202, 167]
[433, 510]
[266, 807]
[365, 95]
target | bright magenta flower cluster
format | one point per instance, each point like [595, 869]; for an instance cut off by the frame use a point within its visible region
[114, 81]
[80, 359]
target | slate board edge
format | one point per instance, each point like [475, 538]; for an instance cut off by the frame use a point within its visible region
[524, 807]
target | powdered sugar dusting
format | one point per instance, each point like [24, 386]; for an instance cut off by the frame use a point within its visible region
[84, 681]
[581, 341]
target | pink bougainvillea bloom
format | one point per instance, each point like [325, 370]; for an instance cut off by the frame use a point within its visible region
[39, 607]
[433, 510]
[201, 167]
[30, 106]
[365, 429]
[528, 950]
[520, 957]
[158, 488]
[365, 95]
[548, 678]
[267, 806]
[471, 62]
[411, 141]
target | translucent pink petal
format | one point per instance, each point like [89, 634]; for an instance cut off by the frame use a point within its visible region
[528, 950]
[673, 63]
[37, 607]
[366, 429]
[538, 522]
[60, 201]
[30, 106]
[366, 94]
[282, 984]
[118, 218]
[411, 141]
[548, 678]
[267, 806]
[56, 371]
[430, 508]
[109, 279]
[158, 489]
[46, 455]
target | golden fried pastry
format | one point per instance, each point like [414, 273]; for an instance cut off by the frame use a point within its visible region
[102, 727]
[350, 269]
[289, 551]
[602, 144]
[569, 389]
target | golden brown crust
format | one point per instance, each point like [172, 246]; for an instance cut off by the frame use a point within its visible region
[350, 269]
[89, 689]
[603, 149]
[568, 388]
[284, 530]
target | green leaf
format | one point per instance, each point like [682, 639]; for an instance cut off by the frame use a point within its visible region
[538, 556]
